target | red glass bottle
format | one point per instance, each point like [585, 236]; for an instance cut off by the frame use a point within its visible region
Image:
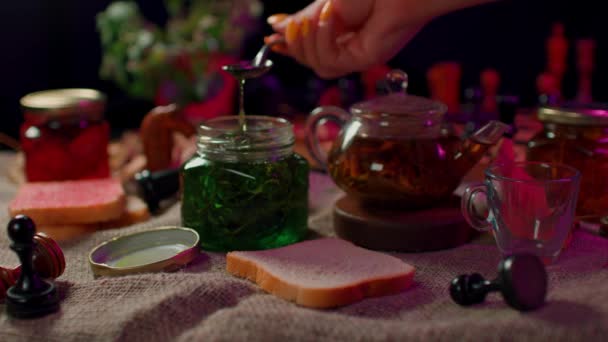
[64, 135]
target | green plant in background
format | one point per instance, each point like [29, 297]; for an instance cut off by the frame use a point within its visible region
[172, 63]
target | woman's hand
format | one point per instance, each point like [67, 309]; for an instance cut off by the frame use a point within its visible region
[337, 37]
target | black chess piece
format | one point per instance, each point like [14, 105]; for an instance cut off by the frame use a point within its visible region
[522, 280]
[154, 187]
[31, 296]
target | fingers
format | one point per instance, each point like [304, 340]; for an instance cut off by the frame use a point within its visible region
[293, 33]
[280, 21]
[309, 44]
[277, 47]
[353, 14]
[312, 38]
[326, 44]
[299, 31]
[275, 19]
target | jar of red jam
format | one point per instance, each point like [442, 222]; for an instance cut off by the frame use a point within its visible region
[64, 135]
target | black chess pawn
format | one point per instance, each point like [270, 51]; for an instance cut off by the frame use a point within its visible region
[154, 187]
[522, 280]
[31, 296]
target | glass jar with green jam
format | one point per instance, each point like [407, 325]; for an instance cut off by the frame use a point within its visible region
[245, 189]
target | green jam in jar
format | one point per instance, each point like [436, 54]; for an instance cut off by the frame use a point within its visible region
[245, 190]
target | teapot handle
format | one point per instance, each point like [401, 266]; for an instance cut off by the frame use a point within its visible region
[317, 117]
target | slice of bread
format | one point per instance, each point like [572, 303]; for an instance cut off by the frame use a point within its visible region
[136, 211]
[322, 273]
[70, 202]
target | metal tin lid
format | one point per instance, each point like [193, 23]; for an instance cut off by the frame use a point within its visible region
[162, 249]
[398, 102]
[89, 103]
[575, 114]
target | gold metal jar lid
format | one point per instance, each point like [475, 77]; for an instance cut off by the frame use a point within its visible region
[58, 103]
[575, 114]
[163, 249]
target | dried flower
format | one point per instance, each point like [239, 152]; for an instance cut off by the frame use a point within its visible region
[143, 59]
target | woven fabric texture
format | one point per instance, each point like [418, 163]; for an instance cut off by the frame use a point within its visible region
[204, 303]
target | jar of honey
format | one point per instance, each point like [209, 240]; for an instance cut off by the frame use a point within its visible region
[64, 135]
[577, 136]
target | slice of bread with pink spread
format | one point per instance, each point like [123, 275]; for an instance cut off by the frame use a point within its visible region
[136, 211]
[322, 273]
[82, 201]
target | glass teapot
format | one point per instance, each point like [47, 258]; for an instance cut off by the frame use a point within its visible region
[396, 150]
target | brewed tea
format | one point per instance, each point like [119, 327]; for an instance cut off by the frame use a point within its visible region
[404, 173]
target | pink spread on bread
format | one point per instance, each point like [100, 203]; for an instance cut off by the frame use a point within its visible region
[83, 201]
[322, 273]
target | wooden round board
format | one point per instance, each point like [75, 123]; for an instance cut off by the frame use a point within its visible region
[404, 231]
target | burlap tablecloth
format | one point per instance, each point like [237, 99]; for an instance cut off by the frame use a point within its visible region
[204, 303]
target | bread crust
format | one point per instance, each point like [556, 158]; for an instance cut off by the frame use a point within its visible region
[320, 298]
[136, 211]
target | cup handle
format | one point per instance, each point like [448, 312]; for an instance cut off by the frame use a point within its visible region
[316, 118]
[471, 212]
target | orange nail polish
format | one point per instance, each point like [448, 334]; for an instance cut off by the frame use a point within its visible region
[279, 48]
[325, 11]
[305, 27]
[291, 33]
[276, 18]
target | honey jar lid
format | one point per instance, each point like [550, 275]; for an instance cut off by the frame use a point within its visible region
[89, 103]
[163, 249]
[575, 114]
[398, 102]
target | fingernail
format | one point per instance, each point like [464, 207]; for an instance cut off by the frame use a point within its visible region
[305, 28]
[279, 48]
[291, 33]
[325, 12]
[276, 18]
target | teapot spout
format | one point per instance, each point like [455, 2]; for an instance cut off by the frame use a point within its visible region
[490, 133]
[475, 146]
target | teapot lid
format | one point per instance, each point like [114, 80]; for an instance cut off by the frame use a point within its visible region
[398, 101]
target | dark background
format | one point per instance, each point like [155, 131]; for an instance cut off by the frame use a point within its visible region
[54, 44]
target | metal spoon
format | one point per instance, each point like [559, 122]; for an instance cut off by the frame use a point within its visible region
[255, 68]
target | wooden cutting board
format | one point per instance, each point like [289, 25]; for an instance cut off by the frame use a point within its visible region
[430, 229]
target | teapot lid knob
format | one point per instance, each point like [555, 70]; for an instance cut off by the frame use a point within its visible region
[396, 81]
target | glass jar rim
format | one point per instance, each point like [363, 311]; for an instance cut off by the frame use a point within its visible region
[58, 103]
[575, 114]
[278, 124]
[264, 137]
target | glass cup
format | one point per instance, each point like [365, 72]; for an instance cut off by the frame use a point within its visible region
[528, 205]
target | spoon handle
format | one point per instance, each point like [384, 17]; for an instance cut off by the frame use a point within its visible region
[261, 56]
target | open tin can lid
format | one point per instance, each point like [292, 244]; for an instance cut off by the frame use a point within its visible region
[575, 114]
[162, 249]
